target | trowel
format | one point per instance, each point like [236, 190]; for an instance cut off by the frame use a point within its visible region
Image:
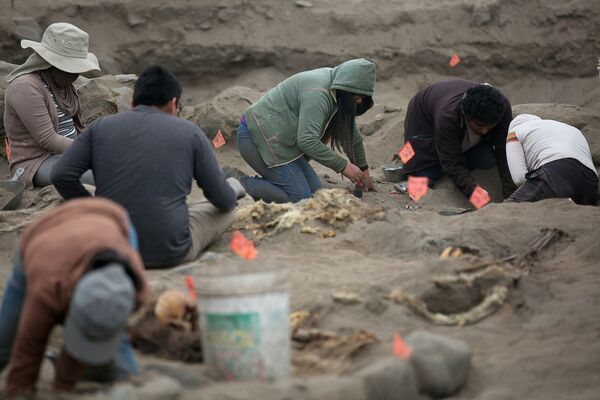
[14, 189]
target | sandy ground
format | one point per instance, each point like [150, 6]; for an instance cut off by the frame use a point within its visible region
[544, 342]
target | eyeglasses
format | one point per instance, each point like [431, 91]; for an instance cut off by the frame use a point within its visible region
[179, 107]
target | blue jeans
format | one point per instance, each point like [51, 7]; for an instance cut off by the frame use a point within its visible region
[124, 363]
[291, 182]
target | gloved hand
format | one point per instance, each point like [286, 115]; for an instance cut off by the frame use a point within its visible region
[237, 187]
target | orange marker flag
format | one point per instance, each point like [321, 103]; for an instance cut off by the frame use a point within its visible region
[406, 153]
[191, 287]
[218, 140]
[417, 187]
[454, 60]
[241, 246]
[7, 149]
[400, 349]
[479, 197]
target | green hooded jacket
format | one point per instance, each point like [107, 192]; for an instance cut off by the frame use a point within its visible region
[290, 119]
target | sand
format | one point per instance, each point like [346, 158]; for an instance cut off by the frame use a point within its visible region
[543, 342]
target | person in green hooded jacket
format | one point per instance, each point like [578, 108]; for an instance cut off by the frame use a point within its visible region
[307, 116]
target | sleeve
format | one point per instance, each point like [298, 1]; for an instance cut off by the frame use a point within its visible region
[28, 103]
[515, 156]
[209, 176]
[359, 150]
[498, 134]
[72, 164]
[28, 351]
[68, 372]
[449, 149]
[312, 119]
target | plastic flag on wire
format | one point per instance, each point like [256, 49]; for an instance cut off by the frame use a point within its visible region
[454, 60]
[479, 197]
[218, 140]
[417, 187]
[7, 149]
[406, 153]
[191, 287]
[242, 246]
[399, 348]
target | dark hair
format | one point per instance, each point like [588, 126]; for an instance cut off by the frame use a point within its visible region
[483, 103]
[341, 127]
[156, 86]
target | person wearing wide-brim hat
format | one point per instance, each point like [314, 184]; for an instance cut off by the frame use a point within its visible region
[42, 113]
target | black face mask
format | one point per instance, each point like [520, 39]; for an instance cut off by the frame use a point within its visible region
[62, 78]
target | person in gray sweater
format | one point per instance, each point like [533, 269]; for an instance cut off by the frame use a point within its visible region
[145, 160]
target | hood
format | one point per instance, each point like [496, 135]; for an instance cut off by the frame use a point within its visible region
[355, 76]
[520, 119]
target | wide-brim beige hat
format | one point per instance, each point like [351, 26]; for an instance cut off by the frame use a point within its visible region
[65, 47]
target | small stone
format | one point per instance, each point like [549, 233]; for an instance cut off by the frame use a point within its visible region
[379, 117]
[270, 14]
[333, 388]
[125, 391]
[391, 109]
[205, 26]
[304, 4]
[441, 364]
[160, 388]
[223, 15]
[389, 379]
[376, 306]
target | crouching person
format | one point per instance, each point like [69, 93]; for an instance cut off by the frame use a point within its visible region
[549, 159]
[76, 266]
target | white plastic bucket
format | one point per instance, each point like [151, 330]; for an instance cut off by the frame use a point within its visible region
[244, 318]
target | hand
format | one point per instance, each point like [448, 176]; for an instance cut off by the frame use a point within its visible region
[367, 181]
[352, 172]
[237, 187]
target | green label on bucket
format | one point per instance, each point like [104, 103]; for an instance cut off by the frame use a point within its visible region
[233, 345]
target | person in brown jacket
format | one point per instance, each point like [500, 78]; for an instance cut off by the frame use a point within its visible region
[76, 265]
[42, 113]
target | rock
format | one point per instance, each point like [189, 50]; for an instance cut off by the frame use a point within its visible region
[125, 79]
[97, 100]
[28, 28]
[389, 379]
[123, 97]
[124, 391]
[391, 109]
[5, 69]
[304, 4]
[334, 388]
[567, 113]
[222, 112]
[205, 26]
[441, 364]
[160, 388]
[225, 15]
[372, 120]
[376, 306]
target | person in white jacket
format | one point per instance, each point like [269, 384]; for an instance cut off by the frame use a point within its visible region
[549, 159]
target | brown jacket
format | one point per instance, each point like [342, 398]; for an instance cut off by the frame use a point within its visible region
[31, 125]
[55, 251]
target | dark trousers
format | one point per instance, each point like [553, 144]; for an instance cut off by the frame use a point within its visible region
[565, 178]
[481, 156]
